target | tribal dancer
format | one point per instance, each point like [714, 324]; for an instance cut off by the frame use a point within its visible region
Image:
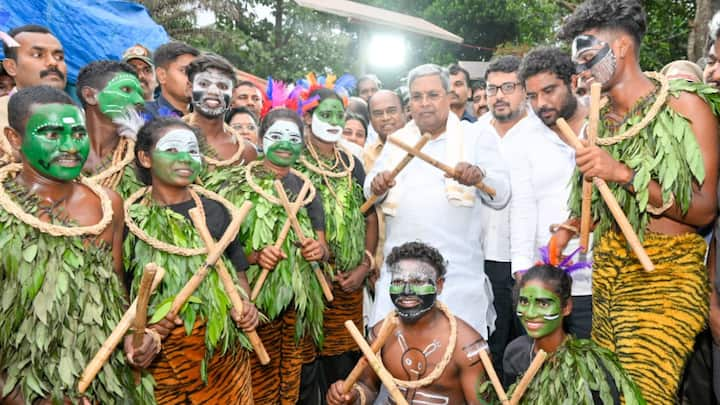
[291, 296]
[428, 363]
[577, 371]
[212, 79]
[657, 150]
[352, 237]
[62, 291]
[110, 93]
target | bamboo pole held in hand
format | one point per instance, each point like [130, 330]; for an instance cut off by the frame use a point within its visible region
[592, 129]
[490, 370]
[386, 329]
[528, 376]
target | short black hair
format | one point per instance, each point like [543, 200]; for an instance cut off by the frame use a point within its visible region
[21, 103]
[547, 59]
[239, 110]
[479, 84]
[626, 15]
[455, 69]
[147, 137]
[97, 74]
[11, 52]
[281, 113]
[349, 115]
[247, 83]
[211, 61]
[418, 251]
[167, 53]
[558, 280]
[504, 64]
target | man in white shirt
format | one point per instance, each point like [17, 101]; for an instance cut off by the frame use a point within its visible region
[541, 166]
[547, 75]
[424, 204]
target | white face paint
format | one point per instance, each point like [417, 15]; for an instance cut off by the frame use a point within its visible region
[180, 140]
[325, 131]
[281, 130]
[211, 93]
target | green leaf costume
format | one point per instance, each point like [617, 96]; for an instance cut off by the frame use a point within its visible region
[60, 300]
[293, 281]
[665, 150]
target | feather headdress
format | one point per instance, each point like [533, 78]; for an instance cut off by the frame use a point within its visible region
[551, 255]
[342, 86]
[280, 94]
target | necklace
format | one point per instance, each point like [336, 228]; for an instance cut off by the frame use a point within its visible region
[275, 200]
[327, 173]
[123, 155]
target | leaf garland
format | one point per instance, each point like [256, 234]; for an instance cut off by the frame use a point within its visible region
[293, 281]
[570, 375]
[209, 303]
[666, 151]
[344, 222]
[59, 301]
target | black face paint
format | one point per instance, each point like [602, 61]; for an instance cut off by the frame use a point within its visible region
[424, 294]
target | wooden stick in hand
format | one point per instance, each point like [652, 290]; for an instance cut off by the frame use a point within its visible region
[592, 129]
[400, 166]
[386, 329]
[103, 354]
[611, 202]
[228, 284]
[142, 303]
[280, 240]
[527, 378]
[490, 370]
[376, 364]
[450, 171]
[327, 291]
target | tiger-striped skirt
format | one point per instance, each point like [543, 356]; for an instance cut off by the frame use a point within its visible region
[650, 319]
[278, 382]
[176, 371]
[345, 306]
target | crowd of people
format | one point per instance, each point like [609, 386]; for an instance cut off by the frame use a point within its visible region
[442, 218]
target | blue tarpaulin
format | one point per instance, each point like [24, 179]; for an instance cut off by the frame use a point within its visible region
[88, 29]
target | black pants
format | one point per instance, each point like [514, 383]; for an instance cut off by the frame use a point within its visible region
[506, 324]
[579, 323]
[334, 368]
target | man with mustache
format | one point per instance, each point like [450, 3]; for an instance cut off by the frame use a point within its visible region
[39, 60]
[547, 74]
[459, 91]
[109, 92]
[479, 99]
[424, 203]
[141, 59]
[537, 159]
[246, 94]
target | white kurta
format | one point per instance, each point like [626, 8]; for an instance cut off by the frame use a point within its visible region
[424, 214]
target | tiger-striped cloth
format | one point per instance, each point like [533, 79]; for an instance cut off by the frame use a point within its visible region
[650, 319]
[278, 382]
[176, 371]
[345, 306]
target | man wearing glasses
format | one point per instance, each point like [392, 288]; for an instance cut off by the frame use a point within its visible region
[540, 166]
[422, 203]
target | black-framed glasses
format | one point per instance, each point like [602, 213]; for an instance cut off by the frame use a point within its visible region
[507, 88]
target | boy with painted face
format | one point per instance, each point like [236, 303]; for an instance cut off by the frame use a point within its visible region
[63, 261]
[112, 96]
[433, 355]
[211, 351]
[352, 236]
[294, 308]
[543, 302]
[212, 79]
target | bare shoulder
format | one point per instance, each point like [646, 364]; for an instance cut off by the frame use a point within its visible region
[468, 345]
[690, 106]
[249, 152]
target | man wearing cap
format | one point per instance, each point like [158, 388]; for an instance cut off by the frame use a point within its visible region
[140, 58]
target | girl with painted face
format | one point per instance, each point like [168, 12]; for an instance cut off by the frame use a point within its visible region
[211, 348]
[291, 296]
[543, 301]
[352, 236]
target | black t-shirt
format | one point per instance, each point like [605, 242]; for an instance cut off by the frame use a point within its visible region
[315, 209]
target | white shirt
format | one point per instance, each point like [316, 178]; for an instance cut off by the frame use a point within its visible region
[424, 214]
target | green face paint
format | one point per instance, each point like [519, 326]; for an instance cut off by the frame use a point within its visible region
[282, 143]
[121, 92]
[328, 120]
[539, 310]
[176, 160]
[56, 142]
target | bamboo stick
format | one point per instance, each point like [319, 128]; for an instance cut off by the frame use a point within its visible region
[490, 370]
[141, 312]
[376, 364]
[440, 165]
[327, 291]
[228, 284]
[386, 329]
[103, 354]
[527, 378]
[592, 129]
[612, 203]
[400, 166]
[279, 241]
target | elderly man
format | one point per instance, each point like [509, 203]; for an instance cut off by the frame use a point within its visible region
[140, 58]
[367, 85]
[422, 203]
